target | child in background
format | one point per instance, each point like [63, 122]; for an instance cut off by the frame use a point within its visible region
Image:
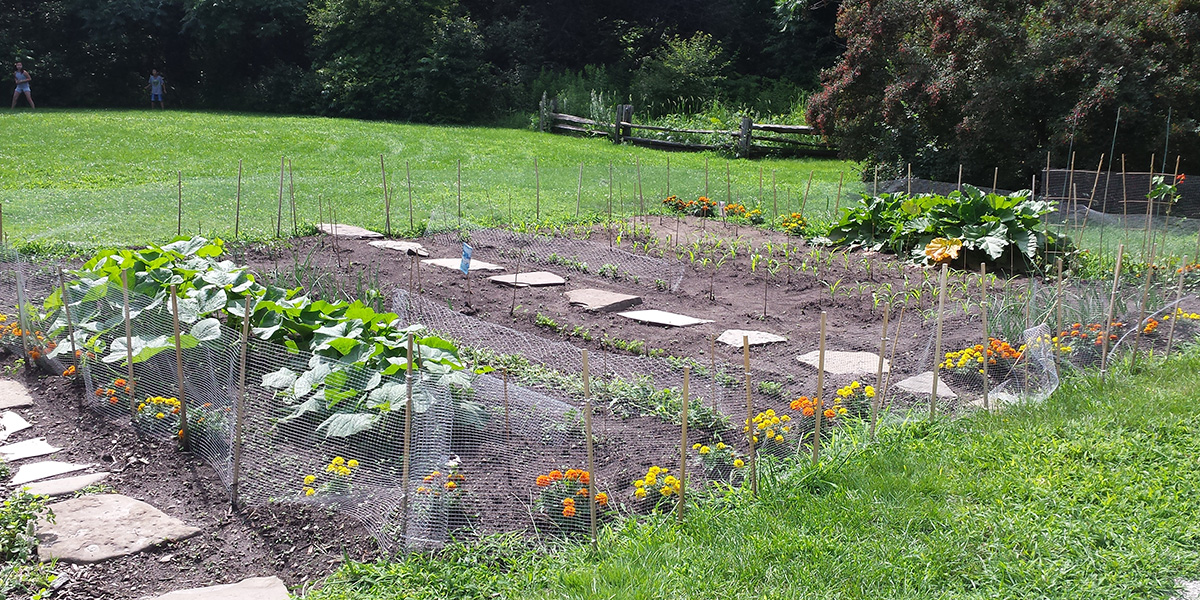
[156, 88]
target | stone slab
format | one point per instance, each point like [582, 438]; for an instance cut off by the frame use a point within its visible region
[93, 528]
[10, 423]
[845, 363]
[410, 248]
[530, 279]
[662, 317]
[348, 232]
[923, 385]
[733, 337]
[454, 263]
[595, 300]
[27, 449]
[1186, 590]
[13, 395]
[44, 470]
[66, 485]
[255, 588]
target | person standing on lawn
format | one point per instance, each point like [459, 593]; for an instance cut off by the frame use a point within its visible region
[22, 78]
[155, 86]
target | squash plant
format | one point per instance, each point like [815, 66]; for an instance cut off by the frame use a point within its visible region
[1007, 231]
[357, 358]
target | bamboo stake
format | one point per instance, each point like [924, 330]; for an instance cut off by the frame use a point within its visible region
[1137, 335]
[1092, 196]
[387, 201]
[132, 388]
[808, 187]
[960, 167]
[937, 349]
[879, 371]
[537, 190]
[1112, 300]
[579, 192]
[185, 437]
[237, 219]
[62, 281]
[21, 316]
[591, 456]
[458, 164]
[279, 214]
[406, 465]
[412, 228]
[838, 204]
[887, 381]
[1175, 313]
[1167, 219]
[292, 195]
[819, 411]
[909, 179]
[240, 409]
[750, 416]
[1149, 210]
[512, 309]
[987, 337]
[683, 444]
[608, 226]
[1058, 292]
[775, 200]
[712, 357]
[179, 213]
[995, 179]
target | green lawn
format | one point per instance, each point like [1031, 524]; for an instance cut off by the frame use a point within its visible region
[109, 177]
[1094, 494]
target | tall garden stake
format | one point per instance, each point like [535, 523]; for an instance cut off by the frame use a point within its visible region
[750, 416]
[579, 193]
[937, 344]
[458, 168]
[683, 444]
[1112, 301]
[808, 187]
[240, 409]
[387, 204]
[131, 386]
[537, 190]
[237, 211]
[837, 205]
[1174, 313]
[292, 197]
[179, 213]
[987, 338]
[591, 456]
[879, 370]
[66, 300]
[775, 198]
[1137, 334]
[408, 179]
[279, 213]
[819, 411]
[406, 465]
[185, 436]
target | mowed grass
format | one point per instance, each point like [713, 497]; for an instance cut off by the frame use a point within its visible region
[98, 177]
[1093, 494]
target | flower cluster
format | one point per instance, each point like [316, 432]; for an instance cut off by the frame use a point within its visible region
[649, 487]
[116, 391]
[856, 395]
[793, 224]
[1093, 332]
[719, 459]
[1181, 315]
[770, 430]
[437, 483]
[561, 491]
[1151, 325]
[337, 476]
[943, 250]
[1000, 355]
[69, 371]
[754, 215]
[700, 207]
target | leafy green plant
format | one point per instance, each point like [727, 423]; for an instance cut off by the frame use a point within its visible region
[1006, 231]
[770, 388]
[17, 515]
[641, 396]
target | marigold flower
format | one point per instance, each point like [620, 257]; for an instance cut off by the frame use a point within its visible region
[582, 492]
[721, 445]
[556, 475]
[160, 416]
[602, 499]
[352, 463]
[739, 463]
[696, 446]
[585, 477]
[309, 479]
[705, 450]
[309, 491]
[337, 460]
[451, 485]
[568, 501]
[568, 511]
[544, 480]
[830, 413]
[639, 493]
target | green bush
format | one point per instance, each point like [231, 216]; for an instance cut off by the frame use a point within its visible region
[1006, 231]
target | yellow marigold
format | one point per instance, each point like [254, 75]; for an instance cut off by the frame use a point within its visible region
[640, 492]
[739, 463]
[160, 416]
[720, 445]
[309, 479]
[666, 490]
[337, 460]
[696, 446]
[705, 450]
[869, 391]
[309, 491]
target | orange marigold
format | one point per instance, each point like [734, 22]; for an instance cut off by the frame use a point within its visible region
[544, 480]
[602, 499]
[556, 475]
[584, 477]
[569, 511]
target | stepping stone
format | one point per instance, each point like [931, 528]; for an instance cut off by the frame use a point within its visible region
[10, 423]
[13, 395]
[66, 485]
[845, 363]
[411, 248]
[255, 588]
[1186, 590]
[531, 279]
[733, 337]
[348, 232]
[94, 528]
[44, 470]
[662, 317]
[454, 263]
[923, 384]
[595, 300]
[27, 449]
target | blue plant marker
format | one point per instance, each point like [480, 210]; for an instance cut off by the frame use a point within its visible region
[465, 267]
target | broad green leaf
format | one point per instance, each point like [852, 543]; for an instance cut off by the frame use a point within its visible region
[281, 379]
[206, 330]
[346, 424]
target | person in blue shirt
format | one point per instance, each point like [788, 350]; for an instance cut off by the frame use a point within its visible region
[22, 78]
[156, 88]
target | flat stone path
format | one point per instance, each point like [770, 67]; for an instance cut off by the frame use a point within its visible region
[10, 423]
[923, 385]
[662, 317]
[845, 363]
[13, 395]
[66, 485]
[44, 470]
[410, 248]
[595, 300]
[1186, 590]
[27, 449]
[98, 527]
[733, 337]
[348, 232]
[255, 588]
[530, 279]
[454, 263]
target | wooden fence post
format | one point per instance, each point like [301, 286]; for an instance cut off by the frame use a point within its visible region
[591, 457]
[819, 410]
[185, 441]
[406, 465]
[130, 385]
[750, 416]
[937, 344]
[744, 137]
[683, 443]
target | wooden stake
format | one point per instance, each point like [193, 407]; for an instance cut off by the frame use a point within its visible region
[808, 187]
[412, 228]
[579, 190]
[237, 219]
[1092, 196]
[279, 214]
[458, 164]
[1137, 335]
[1149, 210]
[683, 444]
[185, 437]
[179, 213]
[887, 381]
[1112, 301]
[292, 195]
[750, 416]
[1058, 292]
[987, 336]
[879, 371]
[909, 179]
[959, 188]
[995, 180]
[838, 204]
[775, 198]
[712, 357]
[608, 226]
[129, 346]
[1174, 313]
[819, 411]
[591, 456]
[406, 465]
[937, 349]
[387, 201]
[240, 409]
[537, 190]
